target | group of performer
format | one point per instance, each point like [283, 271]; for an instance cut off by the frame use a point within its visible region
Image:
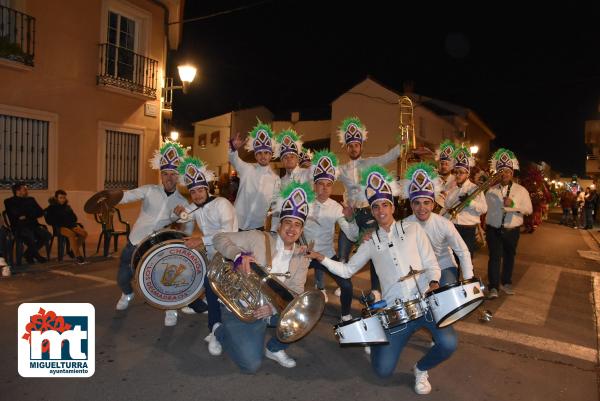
[303, 219]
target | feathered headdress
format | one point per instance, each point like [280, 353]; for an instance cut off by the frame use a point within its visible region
[261, 138]
[462, 158]
[168, 157]
[306, 156]
[445, 150]
[193, 173]
[324, 166]
[288, 141]
[503, 158]
[296, 198]
[378, 184]
[352, 130]
[420, 182]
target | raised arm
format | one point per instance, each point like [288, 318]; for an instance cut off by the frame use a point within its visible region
[356, 262]
[134, 195]
[386, 158]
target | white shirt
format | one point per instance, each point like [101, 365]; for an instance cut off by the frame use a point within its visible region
[470, 214]
[514, 215]
[444, 239]
[281, 259]
[320, 226]
[409, 247]
[298, 174]
[259, 186]
[443, 185]
[350, 175]
[154, 203]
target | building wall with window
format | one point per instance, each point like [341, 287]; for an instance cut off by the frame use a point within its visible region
[96, 79]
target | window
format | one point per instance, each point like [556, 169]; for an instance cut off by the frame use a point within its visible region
[121, 46]
[122, 156]
[23, 151]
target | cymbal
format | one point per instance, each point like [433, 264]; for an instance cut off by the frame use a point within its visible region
[410, 274]
[103, 200]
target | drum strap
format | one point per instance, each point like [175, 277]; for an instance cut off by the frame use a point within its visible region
[268, 259]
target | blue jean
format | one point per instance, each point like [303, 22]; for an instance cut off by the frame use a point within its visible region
[345, 285]
[384, 358]
[365, 221]
[245, 342]
[214, 308]
[125, 272]
[589, 217]
[449, 276]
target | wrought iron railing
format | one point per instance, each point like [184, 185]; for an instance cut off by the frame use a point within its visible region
[122, 68]
[17, 36]
[23, 151]
[122, 155]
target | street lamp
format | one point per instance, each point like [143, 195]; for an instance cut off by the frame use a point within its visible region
[174, 135]
[474, 149]
[187, 73]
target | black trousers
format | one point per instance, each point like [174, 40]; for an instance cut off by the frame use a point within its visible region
[502, 246]
[34, 237]
[468, 235]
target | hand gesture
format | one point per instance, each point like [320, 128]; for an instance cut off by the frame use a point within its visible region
[236, 141]
[178, 209]
[193, 242]
[263, 311]
[348, 212]
[315, 255]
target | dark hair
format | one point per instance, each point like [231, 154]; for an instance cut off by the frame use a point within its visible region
[60, 192]
[16, 186]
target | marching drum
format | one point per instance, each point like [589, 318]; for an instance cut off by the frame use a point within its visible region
[168, 274]
[363, 331]
[402, 312]
[452, 302]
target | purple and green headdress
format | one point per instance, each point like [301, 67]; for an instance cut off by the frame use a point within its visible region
[378, 184]
[194, 174]
[168, 157]
[502, 159]
[462, 158]
[261, 138]
[352, 130]
[296, 198]
[288, 141]
[306, 156]
[324, 166]
[420, 181]
[445, 151]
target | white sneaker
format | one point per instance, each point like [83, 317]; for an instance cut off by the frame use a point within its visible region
[507, 289]
[345, 318]
[422, 385]
[281, 358]
[187, 310]
[493, 294]
[5, 270]
[170, 318]
[124, 301]
[325, 295]
[368, 350]
[214, 346]
[338, 292]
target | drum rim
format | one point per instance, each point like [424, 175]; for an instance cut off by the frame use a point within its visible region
[455, 284]
[137, 285]
[153, 234]
[442, 320]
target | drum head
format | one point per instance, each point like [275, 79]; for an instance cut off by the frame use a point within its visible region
[170, 275]
[153, 239]
[459, 313]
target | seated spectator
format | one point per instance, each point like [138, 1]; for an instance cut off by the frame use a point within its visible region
[60, 214]
[23, 213]
[4, 267]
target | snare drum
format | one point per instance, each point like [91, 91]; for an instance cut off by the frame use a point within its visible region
[169, 275]
[453, 302]
[402, 312]
[360, 331]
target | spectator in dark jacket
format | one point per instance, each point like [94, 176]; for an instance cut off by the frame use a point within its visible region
[591, 198]
[60, 215]
[23, 213]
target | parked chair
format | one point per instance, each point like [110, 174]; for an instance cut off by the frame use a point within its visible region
[62, 242]
[108, 229]
[17, 243]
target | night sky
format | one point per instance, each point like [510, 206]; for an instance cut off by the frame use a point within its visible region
[533, 75]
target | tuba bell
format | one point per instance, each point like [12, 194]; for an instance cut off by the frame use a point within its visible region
[244, 293]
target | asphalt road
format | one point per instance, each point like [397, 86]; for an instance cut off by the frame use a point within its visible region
[542, 344]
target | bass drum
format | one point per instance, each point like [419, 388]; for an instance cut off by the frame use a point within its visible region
[151, 240]
[452, 302]
[170, 275]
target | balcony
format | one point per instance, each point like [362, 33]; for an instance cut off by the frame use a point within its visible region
[122, 68]
[17, 36]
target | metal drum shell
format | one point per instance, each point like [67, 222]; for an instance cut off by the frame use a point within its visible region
[360, 331]
[453, 302]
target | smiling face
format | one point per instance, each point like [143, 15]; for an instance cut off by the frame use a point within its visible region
[290, 230]
[199, 195]
[354, 150]
[461, 175]
[444, 167]
[422, 208]
[506, 174]
[263, 157]
[169, 179]
[289, 161]
[383, 212]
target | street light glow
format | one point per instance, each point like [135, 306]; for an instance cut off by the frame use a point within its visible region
[174, 135]
[187, 73]
[474, 149]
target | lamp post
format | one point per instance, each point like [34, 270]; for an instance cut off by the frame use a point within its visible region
[174, 135]
[187, 73]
